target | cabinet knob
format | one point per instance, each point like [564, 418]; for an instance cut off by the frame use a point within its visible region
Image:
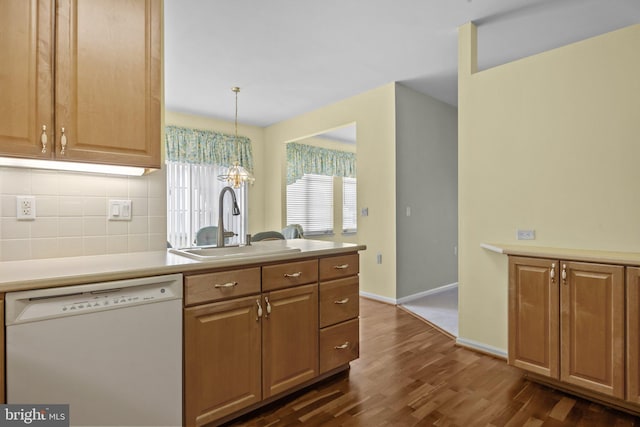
[44, 139]
[63, 142]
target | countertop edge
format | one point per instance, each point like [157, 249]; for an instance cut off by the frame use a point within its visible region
[57, 272]
[586, 255]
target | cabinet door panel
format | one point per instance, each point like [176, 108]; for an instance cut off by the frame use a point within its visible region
[26, 72]
[221, 359]
[633, 335]
[592, 332]
[108, 81]
[290, 338]
[534, 315]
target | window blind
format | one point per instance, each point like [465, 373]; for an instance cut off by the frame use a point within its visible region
[349, 205]
[310, 204]
[192, 203]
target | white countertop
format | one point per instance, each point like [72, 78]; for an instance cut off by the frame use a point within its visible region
[587, 255]
[53, 272]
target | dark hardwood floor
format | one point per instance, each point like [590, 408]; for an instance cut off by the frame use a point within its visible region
[410, 374]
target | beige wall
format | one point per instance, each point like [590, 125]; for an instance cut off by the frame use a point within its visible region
[550, 143]
[256, 135]
[373, 113]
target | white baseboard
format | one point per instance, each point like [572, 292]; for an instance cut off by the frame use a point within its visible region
[378, 298]
[483, 348]
[437, 290]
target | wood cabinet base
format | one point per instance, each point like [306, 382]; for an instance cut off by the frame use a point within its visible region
[612, 402]
[272, 399]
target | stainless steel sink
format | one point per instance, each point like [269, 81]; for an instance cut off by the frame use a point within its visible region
[212, 253]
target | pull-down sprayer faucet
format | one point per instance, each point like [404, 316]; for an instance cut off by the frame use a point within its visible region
[235, 211]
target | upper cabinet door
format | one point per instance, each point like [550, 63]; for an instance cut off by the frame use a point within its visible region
[26, 72]
[108, 81]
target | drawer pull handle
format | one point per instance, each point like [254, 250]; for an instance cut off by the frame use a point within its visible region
[553, 273]
[564, 274]
[342, 301]
[341, 266]
[266, 300]
[226, 285]
[343, 346]
[293, 275]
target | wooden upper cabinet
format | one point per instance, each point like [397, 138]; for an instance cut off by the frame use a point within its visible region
[107, 89]
[108, 61]
[534, 315]
[26, 76]
[593, 330]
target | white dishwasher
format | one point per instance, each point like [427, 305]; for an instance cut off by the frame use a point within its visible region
[112, 351]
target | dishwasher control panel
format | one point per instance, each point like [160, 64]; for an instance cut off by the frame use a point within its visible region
[31, 306]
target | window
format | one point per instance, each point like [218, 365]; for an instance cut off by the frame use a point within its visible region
[349, 209]
[192, 203]
[310, 204]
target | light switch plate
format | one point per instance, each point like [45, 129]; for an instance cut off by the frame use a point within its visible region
[119, 210]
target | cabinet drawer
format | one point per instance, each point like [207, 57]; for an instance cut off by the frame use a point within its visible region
[221, 285]
[339, 344]
[290, 274]
[339, 301]
[336, 267]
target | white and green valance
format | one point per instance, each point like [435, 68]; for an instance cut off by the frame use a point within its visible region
[309, 159]
[198, 146]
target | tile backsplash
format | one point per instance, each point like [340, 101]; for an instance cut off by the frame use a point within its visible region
[71, 214]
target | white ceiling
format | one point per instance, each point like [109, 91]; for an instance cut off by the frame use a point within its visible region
[293, 56]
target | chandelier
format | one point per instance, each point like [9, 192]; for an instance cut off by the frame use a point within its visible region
[236, 175]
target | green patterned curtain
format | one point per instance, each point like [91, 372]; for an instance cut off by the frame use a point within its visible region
[303, 159]
[207, 147]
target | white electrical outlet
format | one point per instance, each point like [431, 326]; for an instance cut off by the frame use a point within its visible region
[25, 207]
[526, 235]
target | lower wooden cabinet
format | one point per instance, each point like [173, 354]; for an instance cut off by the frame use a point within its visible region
[222, 359]
[253, 334]
[339, 344]
[566, 322]
[633, 335]
[592, 327]
[534, 316]
[289, 338]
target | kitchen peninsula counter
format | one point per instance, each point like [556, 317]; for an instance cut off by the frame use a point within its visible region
[54, 272]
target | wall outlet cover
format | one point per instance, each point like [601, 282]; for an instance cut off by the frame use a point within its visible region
[25, 208]
[526, 234]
